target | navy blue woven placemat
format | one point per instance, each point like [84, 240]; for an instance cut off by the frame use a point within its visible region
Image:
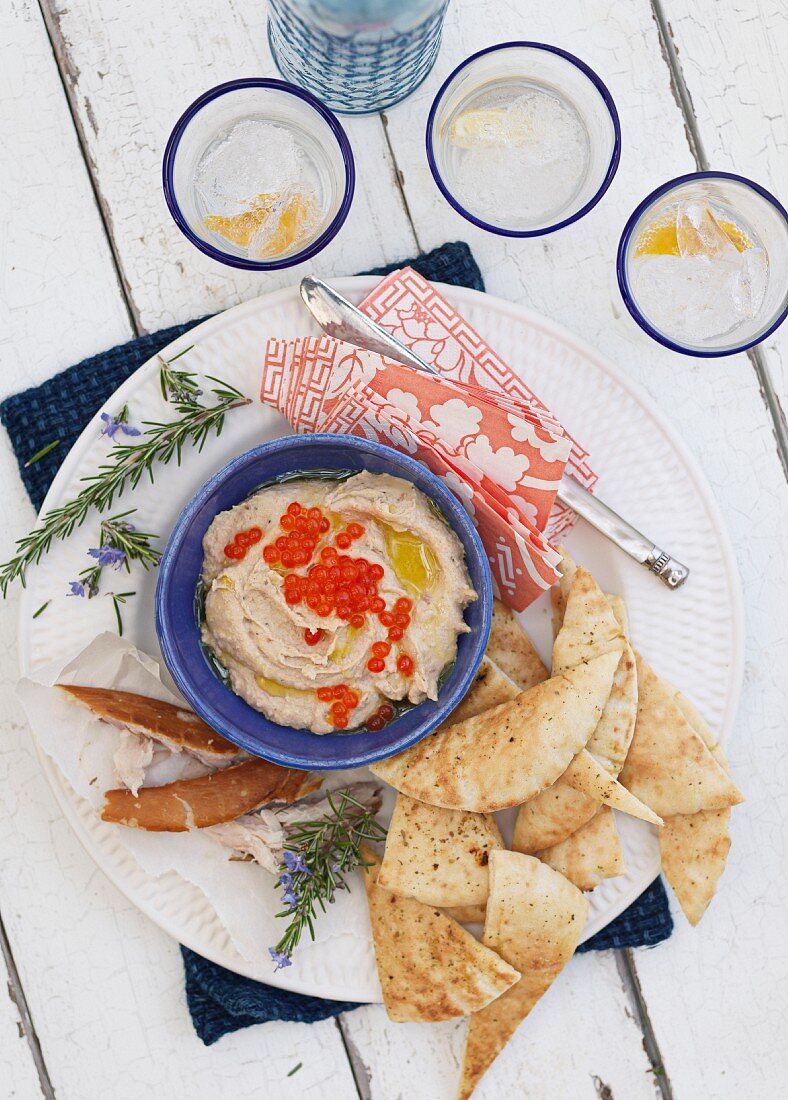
[220, 1001]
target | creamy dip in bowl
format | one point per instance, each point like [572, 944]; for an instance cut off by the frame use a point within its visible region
[324, 601]
[327, 601]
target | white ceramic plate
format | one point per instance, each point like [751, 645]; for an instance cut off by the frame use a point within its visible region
[693, 637]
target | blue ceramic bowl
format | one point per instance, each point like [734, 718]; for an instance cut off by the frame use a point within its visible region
[179, 633]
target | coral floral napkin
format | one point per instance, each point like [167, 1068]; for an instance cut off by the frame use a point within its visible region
[476, 424]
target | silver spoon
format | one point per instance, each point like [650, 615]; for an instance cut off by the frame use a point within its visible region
[341, 319]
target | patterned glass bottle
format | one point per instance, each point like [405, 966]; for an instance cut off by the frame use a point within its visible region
[356, 55]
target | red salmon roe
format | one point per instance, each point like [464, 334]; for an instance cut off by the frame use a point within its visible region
[342, 700]
[355, 530]
[376, 664]
[380, 649]
[242, 540]
[405, 664]
[380, 718]
[312, 637]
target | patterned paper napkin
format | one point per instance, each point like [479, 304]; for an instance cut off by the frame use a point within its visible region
[476, 425]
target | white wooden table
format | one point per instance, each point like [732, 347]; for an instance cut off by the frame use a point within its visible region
[88, 92]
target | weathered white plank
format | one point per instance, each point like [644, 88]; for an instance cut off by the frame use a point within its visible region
[696, 1007]
[104, 985]
[134, 66]
[724, 1038]
[17, 1068]
[581, 1042]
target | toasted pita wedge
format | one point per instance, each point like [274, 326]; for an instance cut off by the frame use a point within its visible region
[668, 765]
[587, 776]
[589, 628]
[574, 799]
[591, 854]
[560, 591]
[535, 918]
[467, 914]
[613, 736]
[551, 817]
[208, 800]
[175, 727]
[438, 856]
[506, 755]
[694, 847]
[489, 689]
[430, 968]
[701, 727]
[512, 650]
[571, 803]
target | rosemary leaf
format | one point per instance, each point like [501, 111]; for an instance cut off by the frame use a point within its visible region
[47, 449]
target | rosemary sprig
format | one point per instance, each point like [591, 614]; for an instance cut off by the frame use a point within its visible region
[318, 857]
[128, 462]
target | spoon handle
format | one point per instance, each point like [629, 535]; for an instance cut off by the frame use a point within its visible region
[341, 319]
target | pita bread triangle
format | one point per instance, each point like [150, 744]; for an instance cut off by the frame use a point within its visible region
[589, 627]
[438, 856]
[467, 914]
[668, 765]
[430, 967]
[571, 802]
[590, 854]
[587, 776]
[694, 847]
[552, 816]
[506, 755]
[512, 650]
[536, 916]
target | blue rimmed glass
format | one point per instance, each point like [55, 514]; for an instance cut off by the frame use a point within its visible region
[357, 55]
[749, 206]
[215, 112]
[544, 68]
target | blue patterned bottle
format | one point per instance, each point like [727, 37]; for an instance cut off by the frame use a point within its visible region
[356, 55]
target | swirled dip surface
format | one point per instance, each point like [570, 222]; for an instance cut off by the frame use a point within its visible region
[327, 601]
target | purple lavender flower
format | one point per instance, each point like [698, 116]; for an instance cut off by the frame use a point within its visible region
[108, 555]
[291, 898]
[295, 863]
[113, 426]
[279, 957]
[77, 588]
